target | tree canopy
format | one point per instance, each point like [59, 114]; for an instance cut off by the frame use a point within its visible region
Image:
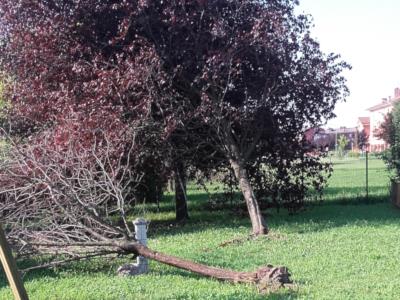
[221, 83]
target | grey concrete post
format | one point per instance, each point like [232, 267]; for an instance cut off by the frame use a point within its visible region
[141, 237]
[141, 266]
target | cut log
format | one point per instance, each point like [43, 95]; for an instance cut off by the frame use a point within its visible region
[266, 277]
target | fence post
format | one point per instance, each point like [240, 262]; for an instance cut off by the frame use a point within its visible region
[10, 268]
[366, 175]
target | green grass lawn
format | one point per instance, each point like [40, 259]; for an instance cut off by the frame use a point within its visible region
[338, 250]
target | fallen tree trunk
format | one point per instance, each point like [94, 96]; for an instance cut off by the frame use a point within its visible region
[265, 277]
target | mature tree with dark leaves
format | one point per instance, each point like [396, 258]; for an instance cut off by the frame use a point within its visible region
[249, 72]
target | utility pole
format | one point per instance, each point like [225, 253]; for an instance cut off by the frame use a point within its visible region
[336, 142]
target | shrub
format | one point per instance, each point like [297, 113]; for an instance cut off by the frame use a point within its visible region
[390, 132]
[342, 142]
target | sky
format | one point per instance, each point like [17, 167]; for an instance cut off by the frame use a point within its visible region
[366, 33]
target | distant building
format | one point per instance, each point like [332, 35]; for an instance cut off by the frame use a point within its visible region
[326, 139]
[319, 138]
[350, 133]
[376, 117]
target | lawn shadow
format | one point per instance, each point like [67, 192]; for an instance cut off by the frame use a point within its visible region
[98, 265]
[198, 221]
[205, 211]
[213, 210]
[355, 195]
[342, 206]
[326, 217]
[50, 273]
[3, 279]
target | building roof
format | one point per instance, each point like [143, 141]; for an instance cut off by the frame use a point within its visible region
[384, 104]
[364, 120]
[342, 130]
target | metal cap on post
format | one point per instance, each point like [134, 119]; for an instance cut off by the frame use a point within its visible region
[141, 230]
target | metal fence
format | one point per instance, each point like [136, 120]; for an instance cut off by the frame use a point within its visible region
[358, 178]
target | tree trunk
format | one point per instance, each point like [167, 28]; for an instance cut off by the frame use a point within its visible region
[180, 194]
[258, 223]
[265, 277]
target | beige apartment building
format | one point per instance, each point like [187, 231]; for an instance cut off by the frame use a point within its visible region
[376, 115]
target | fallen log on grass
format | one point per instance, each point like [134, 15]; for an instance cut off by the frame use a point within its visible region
[268, 277]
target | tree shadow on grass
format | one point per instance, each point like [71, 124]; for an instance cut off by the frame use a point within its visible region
[3, 280]
[355, 195]
[199, 221]
[343, 206]
[48, 273]
[197, 201]
[93, 266]
[327, 217]
[204, 213]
